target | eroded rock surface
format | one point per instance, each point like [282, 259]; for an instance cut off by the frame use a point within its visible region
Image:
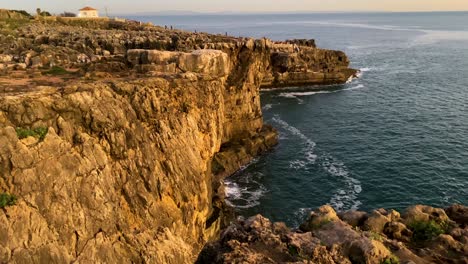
[114, 135]
[326, 238]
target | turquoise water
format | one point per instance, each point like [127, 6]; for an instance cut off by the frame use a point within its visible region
[394, 137]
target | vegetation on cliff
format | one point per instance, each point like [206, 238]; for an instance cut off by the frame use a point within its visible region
[7, 199]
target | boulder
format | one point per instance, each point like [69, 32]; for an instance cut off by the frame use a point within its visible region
[353, 218]
[376, 222]
[213, 62]
[320, 217]
[398, 231]
[5, 58]
[422, 213]
[459, 214]
[460, 235]
[36, 62]
[357, 247]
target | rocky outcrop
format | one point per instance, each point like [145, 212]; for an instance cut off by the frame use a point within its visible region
[125, 169]
[294, 65]
[326, 238]
[114, 137]
[108, 46]
[12, 14]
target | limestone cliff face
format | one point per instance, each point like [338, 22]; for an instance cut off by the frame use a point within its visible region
[294, 65]
[124, 172]
[141, 122]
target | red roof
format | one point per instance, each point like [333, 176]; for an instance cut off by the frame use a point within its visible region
[87, 9]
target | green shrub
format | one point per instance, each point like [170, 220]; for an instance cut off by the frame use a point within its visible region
[7, 200]
[375, 236]
[427, 230]
[56, 70]
[39, 132]
[293, 251]
[22, 12]
[11, 24]
[391, 260]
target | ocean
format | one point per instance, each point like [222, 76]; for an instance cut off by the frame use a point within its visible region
[395, 137]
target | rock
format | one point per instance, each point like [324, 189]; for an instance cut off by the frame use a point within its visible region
[212, 62]
[354, 218]
[376, 222]
[6, 58]
[358, 248]
[460, 235]
[83, 58]
[421, 213]
[36, 62]
[398, 231]
[459, 214]
[320, 217]
[363, 251]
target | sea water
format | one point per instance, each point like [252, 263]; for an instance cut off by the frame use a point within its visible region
[396, 136]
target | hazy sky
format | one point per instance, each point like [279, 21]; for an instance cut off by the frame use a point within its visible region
[133, 6]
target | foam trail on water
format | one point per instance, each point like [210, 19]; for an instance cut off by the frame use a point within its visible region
[298, 94]
[345, 198]
[309, 155]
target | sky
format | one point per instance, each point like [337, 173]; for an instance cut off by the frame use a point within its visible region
[138, 6]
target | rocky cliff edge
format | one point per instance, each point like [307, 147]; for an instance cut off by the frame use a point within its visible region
[114, 135]
[422, 234]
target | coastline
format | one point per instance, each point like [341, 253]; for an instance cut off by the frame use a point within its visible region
[138, 135]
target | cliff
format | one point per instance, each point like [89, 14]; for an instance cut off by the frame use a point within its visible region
[114, 136]
[422, 234]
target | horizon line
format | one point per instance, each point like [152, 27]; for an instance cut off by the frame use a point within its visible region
[189, 12]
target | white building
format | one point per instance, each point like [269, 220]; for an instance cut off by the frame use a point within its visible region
[88, 12]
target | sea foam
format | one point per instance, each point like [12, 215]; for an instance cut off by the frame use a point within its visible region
[299, 94]
[345, 198]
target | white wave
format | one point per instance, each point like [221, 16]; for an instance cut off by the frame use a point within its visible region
[267, 107]
[293, 130]
[310, 156]
[297, 164]
[352, 25]
[308, 149]
[243, 197]
[300, 216]
[253, 161]
[296, 94]
[359, 86]
[362, 71]
[232, 190]
[345, 198]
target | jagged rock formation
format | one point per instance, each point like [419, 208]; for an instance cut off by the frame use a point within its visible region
[294, 65]
[124, 172]
[421, 235]
[102, 46]
[114, 137]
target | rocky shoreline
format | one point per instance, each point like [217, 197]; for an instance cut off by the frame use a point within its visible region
[422, 234]
[115, 135]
